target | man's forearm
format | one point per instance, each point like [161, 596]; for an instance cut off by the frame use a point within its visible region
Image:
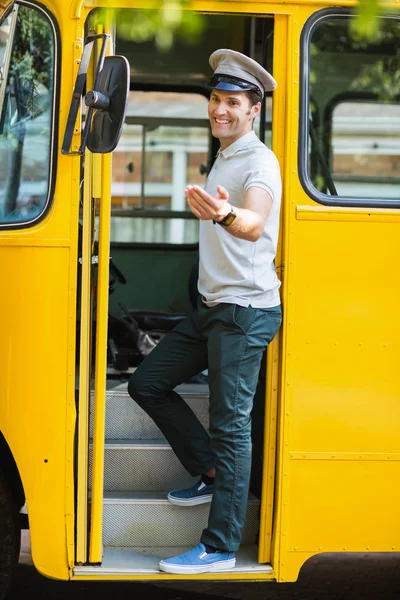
[248, 225]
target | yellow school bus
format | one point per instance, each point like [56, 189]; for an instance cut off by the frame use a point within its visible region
[100, 132]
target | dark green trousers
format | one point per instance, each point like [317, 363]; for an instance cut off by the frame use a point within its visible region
[229, 340]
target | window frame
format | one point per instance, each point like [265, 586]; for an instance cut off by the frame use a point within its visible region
[54, 125]
[304, 102]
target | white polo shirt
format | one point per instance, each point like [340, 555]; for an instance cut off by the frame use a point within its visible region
[233, 270]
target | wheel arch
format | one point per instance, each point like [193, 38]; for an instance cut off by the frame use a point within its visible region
[10, 469]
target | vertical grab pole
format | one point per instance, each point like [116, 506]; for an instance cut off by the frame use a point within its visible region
[84, 369]
[95, 553]
[103, 179]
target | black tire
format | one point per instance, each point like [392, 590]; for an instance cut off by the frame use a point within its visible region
[10, 536]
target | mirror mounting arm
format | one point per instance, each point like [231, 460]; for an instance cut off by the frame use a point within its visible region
[111, 82]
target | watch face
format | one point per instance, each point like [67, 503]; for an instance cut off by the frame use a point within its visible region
[228, 219]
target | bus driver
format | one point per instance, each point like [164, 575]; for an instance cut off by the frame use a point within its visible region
[237, 315]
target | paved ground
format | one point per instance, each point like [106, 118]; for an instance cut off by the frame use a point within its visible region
[325, 577]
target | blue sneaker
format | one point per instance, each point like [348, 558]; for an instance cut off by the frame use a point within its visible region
[199, 493]
[198, 560]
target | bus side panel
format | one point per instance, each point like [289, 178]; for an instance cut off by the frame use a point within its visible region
[343, 412]
[33, 354]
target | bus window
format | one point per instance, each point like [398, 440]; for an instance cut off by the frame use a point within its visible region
[26, 120]
[366, 149]
[352, 93]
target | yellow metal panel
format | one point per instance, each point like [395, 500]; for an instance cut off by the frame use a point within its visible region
[286, 233]
[33, 355]
[339, 411]
[37, 351]
[343, 507]
[347, 344]
[270, 433]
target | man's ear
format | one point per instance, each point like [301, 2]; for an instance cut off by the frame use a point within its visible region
[256, 109]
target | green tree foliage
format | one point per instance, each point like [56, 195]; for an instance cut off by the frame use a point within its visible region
[163, 21]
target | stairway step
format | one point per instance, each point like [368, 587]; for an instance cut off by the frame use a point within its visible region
[143, 466]
[125, 420]
[150, 521]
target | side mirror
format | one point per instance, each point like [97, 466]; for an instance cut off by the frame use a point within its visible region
[106, 102]
[110, 100]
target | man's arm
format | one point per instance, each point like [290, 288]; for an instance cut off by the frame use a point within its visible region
[250, 220]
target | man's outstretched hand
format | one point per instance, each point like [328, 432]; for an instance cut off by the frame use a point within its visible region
[207, 207]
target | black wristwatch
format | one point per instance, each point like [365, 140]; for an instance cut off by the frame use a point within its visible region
[228, 220]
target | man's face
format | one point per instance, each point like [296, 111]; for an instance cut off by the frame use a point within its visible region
[230, 115]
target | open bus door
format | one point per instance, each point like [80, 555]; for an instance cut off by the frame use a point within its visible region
[106, 106]
[136, 513]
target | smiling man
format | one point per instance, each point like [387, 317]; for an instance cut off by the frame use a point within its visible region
[237, 316]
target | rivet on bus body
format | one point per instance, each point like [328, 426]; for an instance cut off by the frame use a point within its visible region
[336, 343]
[320, 548]
[360, 344]
[308, 341]
[393, 547]
[367, 548]
[344, 547]
[295, 548]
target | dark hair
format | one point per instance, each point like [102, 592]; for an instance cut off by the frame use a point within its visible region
[253, 97]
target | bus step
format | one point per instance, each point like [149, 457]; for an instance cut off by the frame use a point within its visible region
[144, 561]
[142, 465]
[125, 420]
[149, 520]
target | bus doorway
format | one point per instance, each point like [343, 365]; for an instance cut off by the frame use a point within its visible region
[165, 145]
